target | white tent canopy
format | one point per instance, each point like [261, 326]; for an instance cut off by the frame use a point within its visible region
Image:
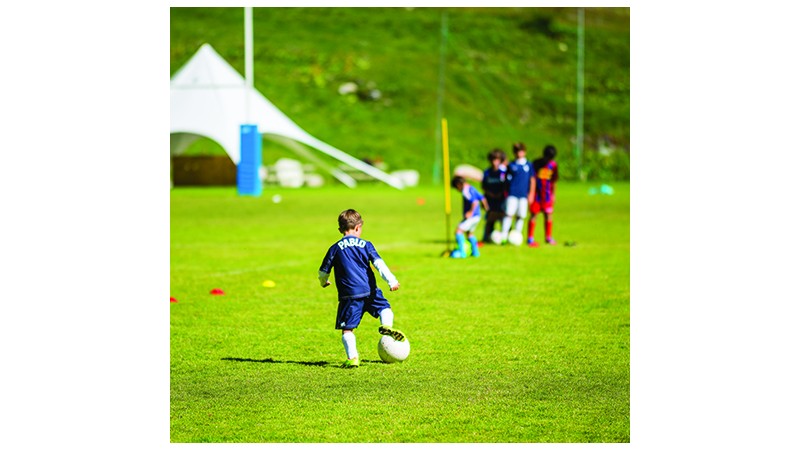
[209, 98]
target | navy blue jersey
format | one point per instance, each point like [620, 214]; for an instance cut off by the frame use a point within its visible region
[350, 260]
[494, 187]
[519, 178]
[494, 183]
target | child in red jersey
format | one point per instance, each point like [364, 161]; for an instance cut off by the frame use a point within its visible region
[545, 171]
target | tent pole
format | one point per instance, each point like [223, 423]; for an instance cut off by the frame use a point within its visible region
[248, 57]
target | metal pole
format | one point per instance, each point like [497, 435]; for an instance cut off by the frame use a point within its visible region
[447, 208]
[440, 98]
[579, 131]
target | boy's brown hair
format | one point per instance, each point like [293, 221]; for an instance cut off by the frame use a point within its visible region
[456, 181]
[348, 220]
[496, 153]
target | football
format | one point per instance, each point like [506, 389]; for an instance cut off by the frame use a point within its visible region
[497, 237]
[392, 351]
[515, 237]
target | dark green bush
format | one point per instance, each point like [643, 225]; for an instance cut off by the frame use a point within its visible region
[596, 166]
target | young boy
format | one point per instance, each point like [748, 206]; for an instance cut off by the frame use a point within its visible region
[472, 216]
[546, 171]
[494, 189]
[358, 292]
[519, 180]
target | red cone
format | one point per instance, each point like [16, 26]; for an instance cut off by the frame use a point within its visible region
[173, 300]
[217, 292]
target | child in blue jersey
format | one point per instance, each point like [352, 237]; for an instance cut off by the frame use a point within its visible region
[521, 186]
[494, 189]
[473, 200]
[350, 258]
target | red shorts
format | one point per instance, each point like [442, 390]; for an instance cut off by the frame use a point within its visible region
[537, 207]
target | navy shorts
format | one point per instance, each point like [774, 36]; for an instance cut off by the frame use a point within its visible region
[352, 310]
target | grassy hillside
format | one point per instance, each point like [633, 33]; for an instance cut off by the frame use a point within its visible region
[509, 75]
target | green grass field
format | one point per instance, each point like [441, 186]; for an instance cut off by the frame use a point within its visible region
[519, 345]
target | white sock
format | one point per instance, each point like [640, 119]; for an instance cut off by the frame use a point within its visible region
[349, 341]
[520, 224]
[387, 317]
[506, 226]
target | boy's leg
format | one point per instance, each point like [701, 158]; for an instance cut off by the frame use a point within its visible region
[520, 224]
[387, 320]
[494, 217]
[379, 307]
[349, 342]
[512, 204]
[506, 226]
[521, 212]
[348, 318]
[497, 220]
[548, 229]
[487, 230]
[468, 227]
[387, 317]
[531, 228]
[474, 242]
[461, 242]
[532, 224]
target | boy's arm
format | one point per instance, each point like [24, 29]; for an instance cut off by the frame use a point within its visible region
[325, 268]
[469, 213]
[386, 274]
[532, 193]
[323, 279]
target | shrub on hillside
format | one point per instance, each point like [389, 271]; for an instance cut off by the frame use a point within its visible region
[596, 166]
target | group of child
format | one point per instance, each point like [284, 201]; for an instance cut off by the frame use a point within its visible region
[510, 191]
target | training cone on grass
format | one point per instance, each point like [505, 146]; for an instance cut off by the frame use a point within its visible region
[173, 300]
[268, 284]
[217, 291]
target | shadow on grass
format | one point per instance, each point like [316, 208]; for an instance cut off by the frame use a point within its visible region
[302, 363]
